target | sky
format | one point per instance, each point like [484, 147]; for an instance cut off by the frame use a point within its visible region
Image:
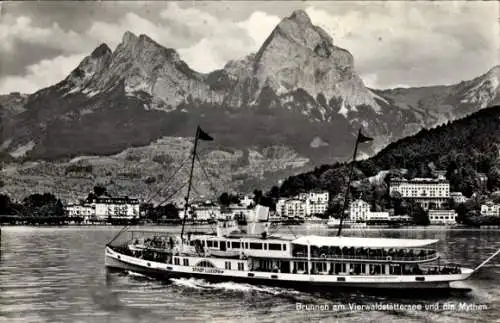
[394, 44]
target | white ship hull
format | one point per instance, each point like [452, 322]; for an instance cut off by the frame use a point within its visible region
[165, 271]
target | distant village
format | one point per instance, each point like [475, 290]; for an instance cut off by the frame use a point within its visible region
[431, 194]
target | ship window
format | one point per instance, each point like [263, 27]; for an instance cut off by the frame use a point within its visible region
[255, 245]
[375, 269]
[246, 245]
[210, 244]
[241, 266]
[216, 244]
[228, 265]
[236, 245]
[284, 247]
[274, 246]
[185, 262]
[320, 266]
[177, 261]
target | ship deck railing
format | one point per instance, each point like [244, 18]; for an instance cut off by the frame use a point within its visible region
[386, 258]
[342, 258]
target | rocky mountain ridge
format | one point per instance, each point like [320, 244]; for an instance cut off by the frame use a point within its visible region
[299, 91]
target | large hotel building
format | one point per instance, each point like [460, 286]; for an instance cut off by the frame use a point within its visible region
[430, 193]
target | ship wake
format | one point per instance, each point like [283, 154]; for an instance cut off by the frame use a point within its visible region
[201, 284]
[138, 276]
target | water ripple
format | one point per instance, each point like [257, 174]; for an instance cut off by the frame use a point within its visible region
[57, 275]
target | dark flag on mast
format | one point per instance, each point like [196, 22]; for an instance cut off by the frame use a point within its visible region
[202, 135]
[362, 138]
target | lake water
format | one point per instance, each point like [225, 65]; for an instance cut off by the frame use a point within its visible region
[58, 275]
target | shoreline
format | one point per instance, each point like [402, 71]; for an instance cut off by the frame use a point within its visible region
[174, 225]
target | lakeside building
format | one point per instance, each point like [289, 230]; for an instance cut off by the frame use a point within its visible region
[210, 211]
[303, 205]
[205, 212]
[446, 217]
[401, 218]
[430, 193]
[103, 208]
[490, 209]
[313, 208]
[292, 207]
[378, 216]
[359, 210]
[78, 210]
[115, 207]
[320, 197]
[316, 202]
[458, 197]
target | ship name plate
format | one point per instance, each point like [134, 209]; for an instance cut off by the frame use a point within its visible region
[208, 270]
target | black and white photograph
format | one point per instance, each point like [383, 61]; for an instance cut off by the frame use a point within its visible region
[249, 161]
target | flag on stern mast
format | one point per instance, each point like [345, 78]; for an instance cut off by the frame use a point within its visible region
[361, 139]
[202, 135]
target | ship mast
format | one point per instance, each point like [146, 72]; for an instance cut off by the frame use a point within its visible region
[200, 135]
[360, 139]
[186, 205]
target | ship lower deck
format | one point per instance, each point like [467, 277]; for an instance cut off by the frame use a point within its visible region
[381, 283]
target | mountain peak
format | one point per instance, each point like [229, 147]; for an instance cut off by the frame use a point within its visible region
[301, 17]
[145, 40]
[300, 55]
[129, 37]
[92, 65]
[101, 50]
[145, 37]
[300, 29]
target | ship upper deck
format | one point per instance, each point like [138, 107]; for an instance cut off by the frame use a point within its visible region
[357, 242]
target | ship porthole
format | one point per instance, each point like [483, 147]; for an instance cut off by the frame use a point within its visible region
[389, 258]
[119, 257]
[149, 264]
[323, 255]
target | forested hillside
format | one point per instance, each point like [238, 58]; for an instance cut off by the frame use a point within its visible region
[466, 149]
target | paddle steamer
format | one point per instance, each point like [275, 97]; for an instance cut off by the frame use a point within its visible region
[255, 255]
